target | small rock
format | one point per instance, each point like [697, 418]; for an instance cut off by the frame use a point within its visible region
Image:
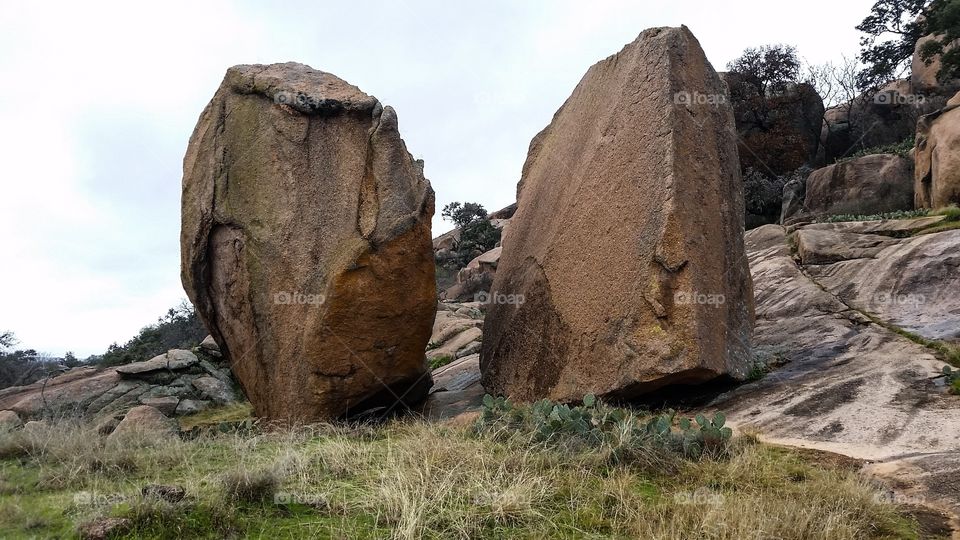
[167, 405]
[103, 528]
[209, 346]
[107, 425]
[190, 406]
[215, 390]
[469, 312]
[471, 348]
[9, 421]
[171, 494]
[145, 420]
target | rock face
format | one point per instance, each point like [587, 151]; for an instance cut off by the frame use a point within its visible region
[475, 278]
[867, 185]
[624, 268]
[923, 76]
[305, 243]
[887, 117]
[937, 175]
[779, 132]
[164, 381]
[821, 321]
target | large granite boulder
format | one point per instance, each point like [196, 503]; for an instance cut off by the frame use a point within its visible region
[306, 243]
[871, 184]
[923, 73]
[624, 268]
[937, 174]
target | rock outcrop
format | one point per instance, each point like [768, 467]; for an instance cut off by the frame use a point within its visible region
[866, 185]
[306, 243]
[624, 270]
[831, 334]
[886, 117]
[166, 381]
[923, 76]
[937, 175]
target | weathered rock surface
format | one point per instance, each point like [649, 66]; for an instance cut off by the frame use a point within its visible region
[888, 117]
[144, 420]
[163, 382]
[9, 421]
[937, 151]
[630, 202]
[825, 247]
[866, 185]
[913, 283]
[476, 278]
[842, 367]
[923, 76]
[306, 243]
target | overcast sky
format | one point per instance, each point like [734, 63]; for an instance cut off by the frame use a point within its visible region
[98, 100]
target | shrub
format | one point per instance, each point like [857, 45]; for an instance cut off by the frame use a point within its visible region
[441, 360]
[953, 379]
[901, 149]
[593, 424]
[898, 214]
[180, 328]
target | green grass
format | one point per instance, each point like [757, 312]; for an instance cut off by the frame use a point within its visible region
[235, 412]
[941, 349]
[412, 479]
[441, 360]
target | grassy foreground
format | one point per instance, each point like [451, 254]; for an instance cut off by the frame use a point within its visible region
[413, 479]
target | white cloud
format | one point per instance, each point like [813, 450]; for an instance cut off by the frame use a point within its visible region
[99, 99]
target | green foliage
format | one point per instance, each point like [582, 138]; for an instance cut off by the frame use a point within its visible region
[594, 424]
[441, 360]
[951, 212]
[943, 20]
[180, 328]
[901, 149]
[953, 379]
[462, 214]
[477, 234]
[887, 59]
[7, 340]
[768, 68]
[899, 214]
